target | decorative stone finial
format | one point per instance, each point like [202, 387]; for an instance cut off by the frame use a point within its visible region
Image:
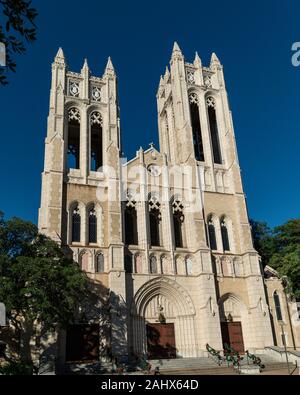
[60, 57]
[109, 69]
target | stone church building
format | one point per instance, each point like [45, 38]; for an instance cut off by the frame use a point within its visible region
[165, 236]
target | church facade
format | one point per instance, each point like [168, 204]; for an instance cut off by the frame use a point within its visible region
[165, 235]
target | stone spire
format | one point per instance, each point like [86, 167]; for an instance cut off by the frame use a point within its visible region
[109, 69]
[167, 74]
[197, 60]
[60, 57]
[176, 53]
[85, 72]
[176, 47]
[85, 67]
[214, 60]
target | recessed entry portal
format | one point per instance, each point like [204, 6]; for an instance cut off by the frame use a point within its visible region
[161, 341]
[82, 343]
[163, 320]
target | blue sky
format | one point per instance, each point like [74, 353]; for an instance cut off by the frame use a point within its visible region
[253, 41]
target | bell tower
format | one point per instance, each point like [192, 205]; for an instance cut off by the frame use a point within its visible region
[194, 120]
[80, 204]
[196, 129]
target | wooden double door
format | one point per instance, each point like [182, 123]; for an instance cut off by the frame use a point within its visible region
[233, 336]
[82, 343]
[161, 341]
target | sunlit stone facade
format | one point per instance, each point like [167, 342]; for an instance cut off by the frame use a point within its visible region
[166, 233]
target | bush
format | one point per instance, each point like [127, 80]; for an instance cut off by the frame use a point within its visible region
[14, 368]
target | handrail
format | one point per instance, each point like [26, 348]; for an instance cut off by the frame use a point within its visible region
[232, 356]
[215, 353]
[255, 359]
[295, 368]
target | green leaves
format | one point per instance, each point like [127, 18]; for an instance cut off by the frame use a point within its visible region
[280, 248]
[20, 19]
[16, 236]
[37, 281]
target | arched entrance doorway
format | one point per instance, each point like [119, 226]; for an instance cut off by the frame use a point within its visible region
[163, 320]
[232, 319]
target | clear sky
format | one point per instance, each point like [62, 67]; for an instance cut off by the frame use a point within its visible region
[253, 41]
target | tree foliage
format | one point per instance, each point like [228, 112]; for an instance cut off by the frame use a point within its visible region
[280, 248]
[262, 240]
[17, 29]
[37, 281]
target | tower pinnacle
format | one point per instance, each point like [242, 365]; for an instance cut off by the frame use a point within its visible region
[197, 60]
[176, 47]
[60, 57]
[214, 60]
[109, 69]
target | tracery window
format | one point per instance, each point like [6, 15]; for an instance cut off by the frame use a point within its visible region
[213, 126]
[224, 234]
[178, 219]
[277, 306]
[154, 220]
[212, 233]
[73, 152]
[196, 126]
[76, 224]
[96, 123]
[92, 218]
[131, 233]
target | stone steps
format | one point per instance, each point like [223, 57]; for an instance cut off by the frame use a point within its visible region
[178, 363]
[222, 370]
[209, 365]
[278, 365]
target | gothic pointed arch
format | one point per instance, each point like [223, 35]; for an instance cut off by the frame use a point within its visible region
[178, 221]
[213, 127]
[73, 147]
[130, 220]
[232, 304]
[92, 223]
[154, 207]
[224, 225]
[211, 227]
[174, 292]
[196, 126]
[277, 305]
[96, 141]
[75, 221]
